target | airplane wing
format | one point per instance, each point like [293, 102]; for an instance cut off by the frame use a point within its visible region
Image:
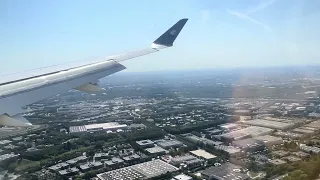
[21, 89]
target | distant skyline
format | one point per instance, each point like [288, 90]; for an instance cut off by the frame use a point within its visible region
[219, 34]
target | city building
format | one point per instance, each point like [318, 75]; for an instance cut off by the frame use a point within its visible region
[137, 126]
[292, 158]
[270, 124]
[145, 143]
[58, 167]
[115, 162]
[309, 149]
[269, 140]
[4, 142]
[251, 131]
[229, 126]
[76, 160]
[227, 171]
[131, 158]
[290, 135]
[230, 150]
[97, 127]
[301, 154]
[8, 157]
[167, 144]
[202, 154]
[90, 166]
[69, 172]
[186, 161]
[99, 156]
[144, 170]
[156, 150]
[248, 144]
[276, 161]
[181, 177]
[280, 153]
[302, 130]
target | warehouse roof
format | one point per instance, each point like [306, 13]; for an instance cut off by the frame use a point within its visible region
[204, 154]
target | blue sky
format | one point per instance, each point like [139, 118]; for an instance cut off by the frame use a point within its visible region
[219, 33]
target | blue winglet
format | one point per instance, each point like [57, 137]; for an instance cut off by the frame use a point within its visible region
[167, 38]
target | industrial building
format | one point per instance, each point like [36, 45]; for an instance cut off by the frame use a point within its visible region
[314, 124]
[77, 160]
[309, 149]
[167, 144]
[227, 171]
[292, 158]
[280, 153]
[97, 127]
[202, 154]
[301, 154]
[144, 170]
[302, 130]
[290, 135]
[69, 171]
[251, 131]
[156, 150]
[178, 160]
[131, 158]
[182, 177]
[270, 124]
[248, 144]
[145, 143]
[186, 161]
[229, 126]
[277, 161]
[90, 166]
[58, 167]
[230, 150]
[269, 140]
[114, 162]
[7, 157]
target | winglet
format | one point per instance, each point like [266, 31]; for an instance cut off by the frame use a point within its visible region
[167, 38]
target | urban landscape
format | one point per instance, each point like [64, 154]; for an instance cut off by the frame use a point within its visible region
[224, 125]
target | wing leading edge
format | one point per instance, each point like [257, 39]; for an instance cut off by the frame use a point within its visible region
[21, 89]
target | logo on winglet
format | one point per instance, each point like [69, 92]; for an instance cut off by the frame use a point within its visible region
[173, 32]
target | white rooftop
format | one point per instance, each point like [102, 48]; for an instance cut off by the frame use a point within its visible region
[202, 153]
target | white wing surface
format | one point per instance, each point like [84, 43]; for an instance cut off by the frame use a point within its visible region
[21, 89]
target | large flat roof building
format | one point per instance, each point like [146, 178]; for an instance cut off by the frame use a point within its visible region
[69, 172]
[269, 140]
[202, 154]
[290, 135]
[96, 127]
[144, 170]
[226, 171]
[248, 144]
[59, 166]
[156, 150]
[270, 124]
[172, 143]
[251, 131]
[311, 149]
[145, 143]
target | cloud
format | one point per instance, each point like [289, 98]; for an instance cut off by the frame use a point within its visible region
[260, 7]
[263, 5]
[205, 16]
[246, 17]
